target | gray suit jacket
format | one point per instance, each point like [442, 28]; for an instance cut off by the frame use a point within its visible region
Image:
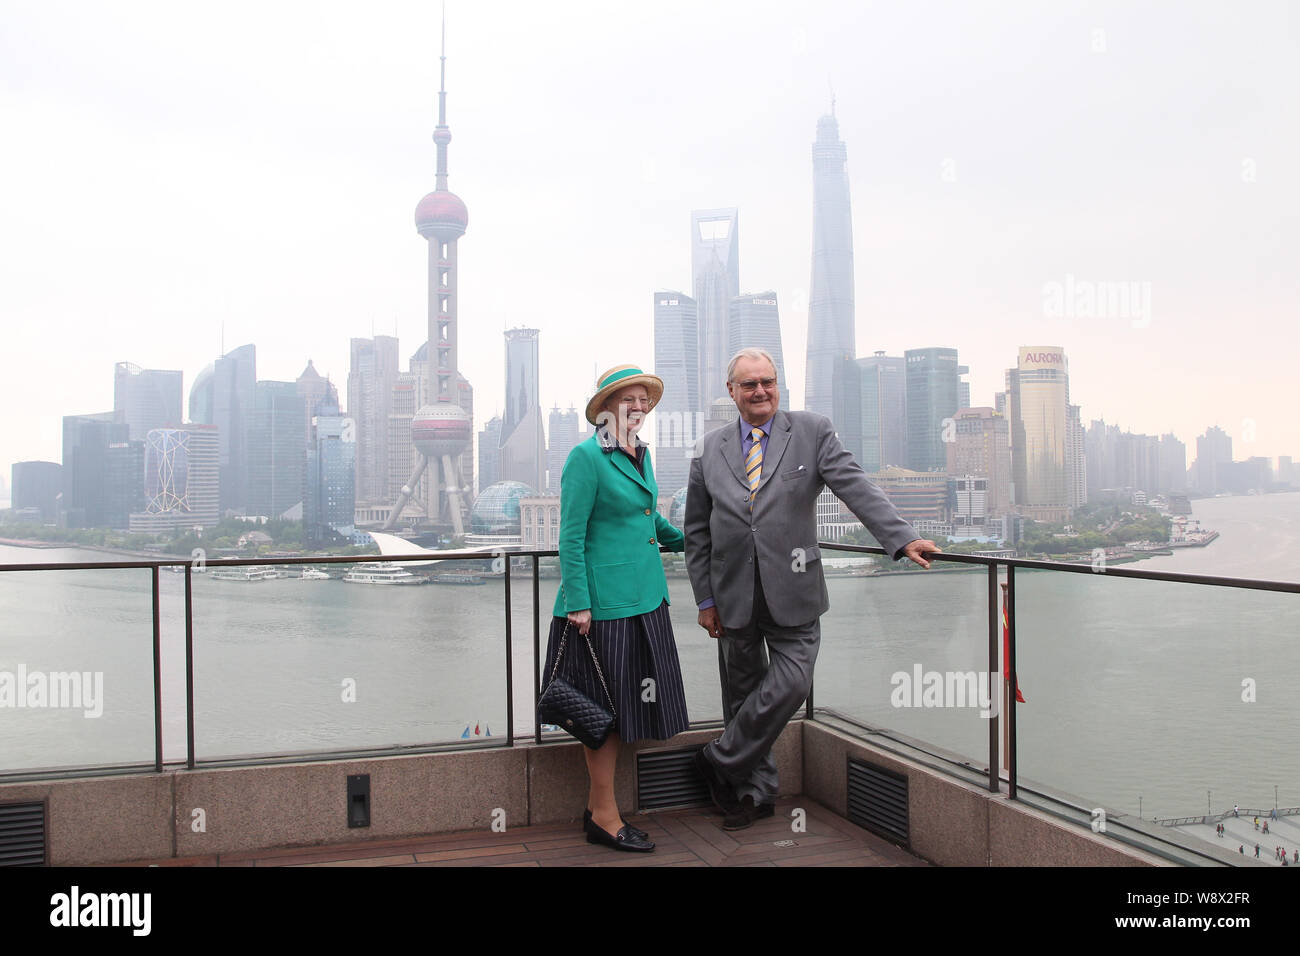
[723, 539]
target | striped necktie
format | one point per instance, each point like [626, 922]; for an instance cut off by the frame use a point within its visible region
[754, 464]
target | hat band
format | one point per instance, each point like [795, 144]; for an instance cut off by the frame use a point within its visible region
[618, 376]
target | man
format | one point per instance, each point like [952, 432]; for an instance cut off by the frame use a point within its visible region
[752, 555]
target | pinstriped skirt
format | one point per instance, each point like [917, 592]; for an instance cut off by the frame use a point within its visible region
[638, 657]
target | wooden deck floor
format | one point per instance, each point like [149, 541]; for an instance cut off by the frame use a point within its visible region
[692, 837]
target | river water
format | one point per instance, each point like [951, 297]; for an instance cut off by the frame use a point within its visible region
[1136, 691]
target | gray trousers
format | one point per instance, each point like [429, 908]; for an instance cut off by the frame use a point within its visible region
[766, 673]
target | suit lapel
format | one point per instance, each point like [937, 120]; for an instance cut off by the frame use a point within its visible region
[624, 464]
[733, 450]
[777, 440]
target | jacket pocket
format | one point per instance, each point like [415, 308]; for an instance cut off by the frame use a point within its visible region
[800, 472]
[614, 585]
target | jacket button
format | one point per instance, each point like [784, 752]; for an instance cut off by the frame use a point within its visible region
[647, 511]
[652, 540]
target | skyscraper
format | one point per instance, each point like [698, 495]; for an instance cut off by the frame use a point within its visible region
[181, 469]
[371, 377]
[523, 445]
[103, 472]
[222, 395]
[1213, 461]
[37, 485]
[489, 453]
[753, 322]
[146, 398]
[831, 332]
[562, 435]
[679, 414]
[277, 454]
[883, 393]
[443, 430]
[981, 447]
[330, 498]
[715, 270]
[933, 396]
[1041, 394]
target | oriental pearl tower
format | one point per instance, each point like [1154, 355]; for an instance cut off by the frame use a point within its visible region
[443, 430]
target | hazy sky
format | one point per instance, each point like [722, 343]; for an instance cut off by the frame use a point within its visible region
[171, 167]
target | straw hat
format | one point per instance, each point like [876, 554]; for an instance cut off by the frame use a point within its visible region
[621, 376]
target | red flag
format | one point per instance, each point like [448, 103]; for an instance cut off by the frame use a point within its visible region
[477, 732]
[1006, 648]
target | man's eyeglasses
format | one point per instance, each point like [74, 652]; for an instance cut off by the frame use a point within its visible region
[749, 384]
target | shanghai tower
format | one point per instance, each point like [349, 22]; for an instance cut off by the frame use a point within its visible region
[828, 384]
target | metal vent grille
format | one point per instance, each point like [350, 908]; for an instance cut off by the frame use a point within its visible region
[22, 834]
[669, 779]
[878, 801]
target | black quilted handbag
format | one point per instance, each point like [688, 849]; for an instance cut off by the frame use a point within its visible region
[570, 709]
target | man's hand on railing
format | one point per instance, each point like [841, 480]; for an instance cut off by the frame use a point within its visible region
[914, 549]
[710, 621]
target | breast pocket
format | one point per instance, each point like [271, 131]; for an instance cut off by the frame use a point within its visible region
[792, 474]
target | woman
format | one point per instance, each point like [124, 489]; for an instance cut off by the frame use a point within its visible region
[614, 590]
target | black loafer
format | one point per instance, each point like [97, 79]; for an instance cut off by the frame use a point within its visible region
[747, 813]
[623, 840]
[635, 831]
[722, 793]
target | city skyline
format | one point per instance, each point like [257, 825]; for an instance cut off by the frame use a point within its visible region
[989, 217]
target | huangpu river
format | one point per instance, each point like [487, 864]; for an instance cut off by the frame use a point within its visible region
[1172, 695]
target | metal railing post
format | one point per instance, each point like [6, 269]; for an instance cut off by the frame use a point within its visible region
[189, 666]
[510, 683]
[537, 644]
[994, 677]
[157, 676]
[1011, 669]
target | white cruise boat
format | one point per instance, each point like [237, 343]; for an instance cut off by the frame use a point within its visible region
[313, 574]
[250, 573]
[382, 573]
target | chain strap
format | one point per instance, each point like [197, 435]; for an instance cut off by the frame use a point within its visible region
[594, 659]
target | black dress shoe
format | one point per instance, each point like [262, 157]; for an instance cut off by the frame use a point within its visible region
[747, 813]
[623, 840]
[635, 831]
[722, 793]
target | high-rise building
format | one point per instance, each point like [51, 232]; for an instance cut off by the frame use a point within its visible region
[277, 454]
[831, 331]
[883, 392]
[523, 445]
[312, 389]
[402, 456]
[715, 268]
[37, 485]
[1173, 464]
[443, 430]
[146, 398]
[1076, 478]
[679, 414]
[103, 472]
[563, 436]
[1213, 461]
[181, 479]
[1041, 395]
[330, 498]
[753, 322]
[981, 447]
[371, 377]
[489, 453]
[934, 393]
[223, 395]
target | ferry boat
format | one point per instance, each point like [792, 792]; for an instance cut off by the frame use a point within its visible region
[251, 573]
[381, 573]
[313, 574]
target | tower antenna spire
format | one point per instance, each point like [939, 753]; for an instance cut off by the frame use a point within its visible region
[442, 135]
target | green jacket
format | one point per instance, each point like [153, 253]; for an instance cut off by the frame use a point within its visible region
[610, 533]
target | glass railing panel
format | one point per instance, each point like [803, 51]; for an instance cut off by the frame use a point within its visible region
[355, 661]
[76, 668]
[906, 652]
[1169, 698]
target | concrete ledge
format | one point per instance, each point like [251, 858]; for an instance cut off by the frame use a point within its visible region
[954, 823]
